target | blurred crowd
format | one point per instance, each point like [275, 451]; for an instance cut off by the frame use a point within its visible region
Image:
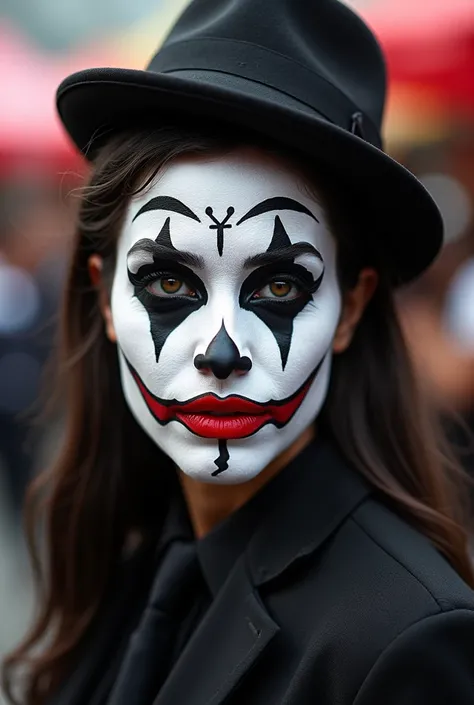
[36, 224]
[34, 233]
[437, 312]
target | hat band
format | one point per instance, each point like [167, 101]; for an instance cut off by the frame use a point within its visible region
[261, 65]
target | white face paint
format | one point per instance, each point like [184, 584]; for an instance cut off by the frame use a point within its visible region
[225, 303]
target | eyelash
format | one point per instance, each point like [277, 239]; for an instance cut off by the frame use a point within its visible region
[283, 279]
[151, 277]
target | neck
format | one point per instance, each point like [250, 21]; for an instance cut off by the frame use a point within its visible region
[210, 504]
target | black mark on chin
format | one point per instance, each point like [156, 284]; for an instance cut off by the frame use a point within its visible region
[222, 460]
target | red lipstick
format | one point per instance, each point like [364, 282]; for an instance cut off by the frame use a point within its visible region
[228, 418]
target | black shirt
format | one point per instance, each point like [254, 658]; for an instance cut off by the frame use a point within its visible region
[334, 599]
[187, 593]
[217, 552]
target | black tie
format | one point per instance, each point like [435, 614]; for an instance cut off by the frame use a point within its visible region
[148, 657]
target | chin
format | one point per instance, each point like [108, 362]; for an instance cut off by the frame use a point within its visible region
[224, 463]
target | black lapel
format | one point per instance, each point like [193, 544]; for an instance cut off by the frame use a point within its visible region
[233, 635]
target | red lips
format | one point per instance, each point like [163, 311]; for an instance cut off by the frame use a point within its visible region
[210, 416]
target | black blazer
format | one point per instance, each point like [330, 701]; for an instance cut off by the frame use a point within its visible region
[335, 601]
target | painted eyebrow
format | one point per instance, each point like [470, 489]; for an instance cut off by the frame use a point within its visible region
[167, 203]
[279, 203]
[166, 253]
[283, 254]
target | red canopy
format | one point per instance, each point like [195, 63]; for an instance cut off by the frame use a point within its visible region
[30, 131]
[429, 43]
[429, 46]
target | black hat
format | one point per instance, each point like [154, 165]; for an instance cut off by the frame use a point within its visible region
[306, 73]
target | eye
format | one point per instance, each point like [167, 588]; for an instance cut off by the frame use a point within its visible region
[168, 285]
[281, 289]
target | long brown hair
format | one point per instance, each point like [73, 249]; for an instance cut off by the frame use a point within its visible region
[110, 479]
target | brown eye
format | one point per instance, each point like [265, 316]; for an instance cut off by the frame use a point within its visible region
[283, 290]
[280, 288]
[170, 286]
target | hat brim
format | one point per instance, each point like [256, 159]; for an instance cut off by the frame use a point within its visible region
[403, 220]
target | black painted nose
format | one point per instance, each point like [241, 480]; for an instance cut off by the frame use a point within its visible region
[222, 356]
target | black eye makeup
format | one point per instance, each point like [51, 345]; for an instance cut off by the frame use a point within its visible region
[161, 285]
[281, 283]
[276, 294]
[169, 292]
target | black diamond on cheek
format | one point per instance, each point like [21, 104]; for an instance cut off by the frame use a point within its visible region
[163, 323]
[278, 316]
[279, 321]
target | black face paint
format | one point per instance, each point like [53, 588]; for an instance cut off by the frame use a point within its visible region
[167, 203]
[222, 461]
[166, 312]
[279, 203]
[222, 356]
[279, 315]
[220, 227]
[280, 237]
[164, 238]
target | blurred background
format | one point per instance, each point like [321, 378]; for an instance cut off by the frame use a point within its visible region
[429, 127]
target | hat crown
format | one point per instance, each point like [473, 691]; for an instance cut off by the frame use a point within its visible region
[324, 36]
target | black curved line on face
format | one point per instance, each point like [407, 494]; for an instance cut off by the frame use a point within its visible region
[164, 238]
[280, 239]
[278, 203]
[279, 402]
[167, 203]
[222, 461]
[279, 316]
[167, 312]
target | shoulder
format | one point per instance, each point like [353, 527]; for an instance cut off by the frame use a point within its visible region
[429, 662]
[397, 614]
[377, 576]
[411, 562]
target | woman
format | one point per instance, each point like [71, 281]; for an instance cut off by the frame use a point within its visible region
[251, 505]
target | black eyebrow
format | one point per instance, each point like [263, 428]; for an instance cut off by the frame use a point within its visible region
[279, 203]
[167, 203]
[161, 252]
[282, 255]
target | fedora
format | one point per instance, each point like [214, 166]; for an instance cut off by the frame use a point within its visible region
[308, 74]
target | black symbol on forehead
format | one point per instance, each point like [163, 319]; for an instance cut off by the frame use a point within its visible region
[220, 226]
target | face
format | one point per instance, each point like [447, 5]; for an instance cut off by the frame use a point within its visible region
[225, 303]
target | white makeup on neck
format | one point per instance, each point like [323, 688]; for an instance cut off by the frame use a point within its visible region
[225, 302]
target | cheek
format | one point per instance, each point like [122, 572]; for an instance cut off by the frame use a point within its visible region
[316, 325]
[131, 323]
[313, 333]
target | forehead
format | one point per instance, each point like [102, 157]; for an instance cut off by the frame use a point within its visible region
[239, 181]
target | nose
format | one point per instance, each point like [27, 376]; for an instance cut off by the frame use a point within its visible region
[222, 356]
